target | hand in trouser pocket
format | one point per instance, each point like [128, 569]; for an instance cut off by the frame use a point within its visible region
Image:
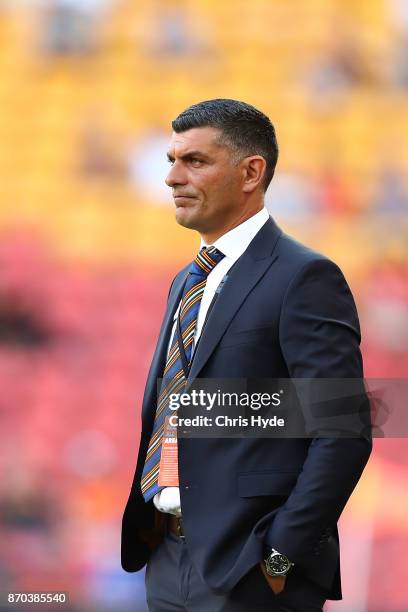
[277, 583]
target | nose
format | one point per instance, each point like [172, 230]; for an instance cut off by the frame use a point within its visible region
[176, 176]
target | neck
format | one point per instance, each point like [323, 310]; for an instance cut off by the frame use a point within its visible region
[211, 237]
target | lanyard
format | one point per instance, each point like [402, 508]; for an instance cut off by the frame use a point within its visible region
[183, 356]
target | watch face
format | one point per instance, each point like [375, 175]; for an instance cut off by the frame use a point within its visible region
[277, 564]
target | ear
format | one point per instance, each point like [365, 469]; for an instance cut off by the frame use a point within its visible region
[254, 171]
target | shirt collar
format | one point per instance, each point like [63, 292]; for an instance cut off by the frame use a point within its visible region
[236, 241]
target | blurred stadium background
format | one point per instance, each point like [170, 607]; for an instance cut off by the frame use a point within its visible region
[87, 92]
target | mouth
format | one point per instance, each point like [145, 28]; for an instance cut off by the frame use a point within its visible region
[179, 199]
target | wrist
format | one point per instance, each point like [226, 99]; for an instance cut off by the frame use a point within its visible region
[276, 563]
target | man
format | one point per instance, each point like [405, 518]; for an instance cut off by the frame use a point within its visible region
[246, 524]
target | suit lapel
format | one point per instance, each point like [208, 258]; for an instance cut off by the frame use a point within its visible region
[159, 357]
[246, 273]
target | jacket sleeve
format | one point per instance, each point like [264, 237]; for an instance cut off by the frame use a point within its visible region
[320, 337]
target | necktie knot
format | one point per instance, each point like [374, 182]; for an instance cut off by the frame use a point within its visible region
[206, 260]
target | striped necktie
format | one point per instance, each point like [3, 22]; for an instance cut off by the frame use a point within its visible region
[174, 378]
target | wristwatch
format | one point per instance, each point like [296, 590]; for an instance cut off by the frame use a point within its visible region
[277, 564]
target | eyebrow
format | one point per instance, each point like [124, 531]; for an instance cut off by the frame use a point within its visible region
[189, 155]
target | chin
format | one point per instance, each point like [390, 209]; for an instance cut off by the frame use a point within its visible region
[185, 220]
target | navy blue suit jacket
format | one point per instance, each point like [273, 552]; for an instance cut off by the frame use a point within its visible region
[284, 311]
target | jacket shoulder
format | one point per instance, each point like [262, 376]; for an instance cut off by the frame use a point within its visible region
[299, 253]
[295, 257]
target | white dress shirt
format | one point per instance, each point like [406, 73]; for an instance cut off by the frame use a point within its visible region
[232, 245]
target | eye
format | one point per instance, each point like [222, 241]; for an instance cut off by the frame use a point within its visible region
[196, 162]
[170, 161]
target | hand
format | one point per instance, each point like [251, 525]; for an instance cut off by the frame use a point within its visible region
[277, 583]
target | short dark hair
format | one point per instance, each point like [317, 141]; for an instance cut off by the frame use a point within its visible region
[244, 128]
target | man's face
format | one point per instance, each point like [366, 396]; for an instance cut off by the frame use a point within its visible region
[205, 180]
